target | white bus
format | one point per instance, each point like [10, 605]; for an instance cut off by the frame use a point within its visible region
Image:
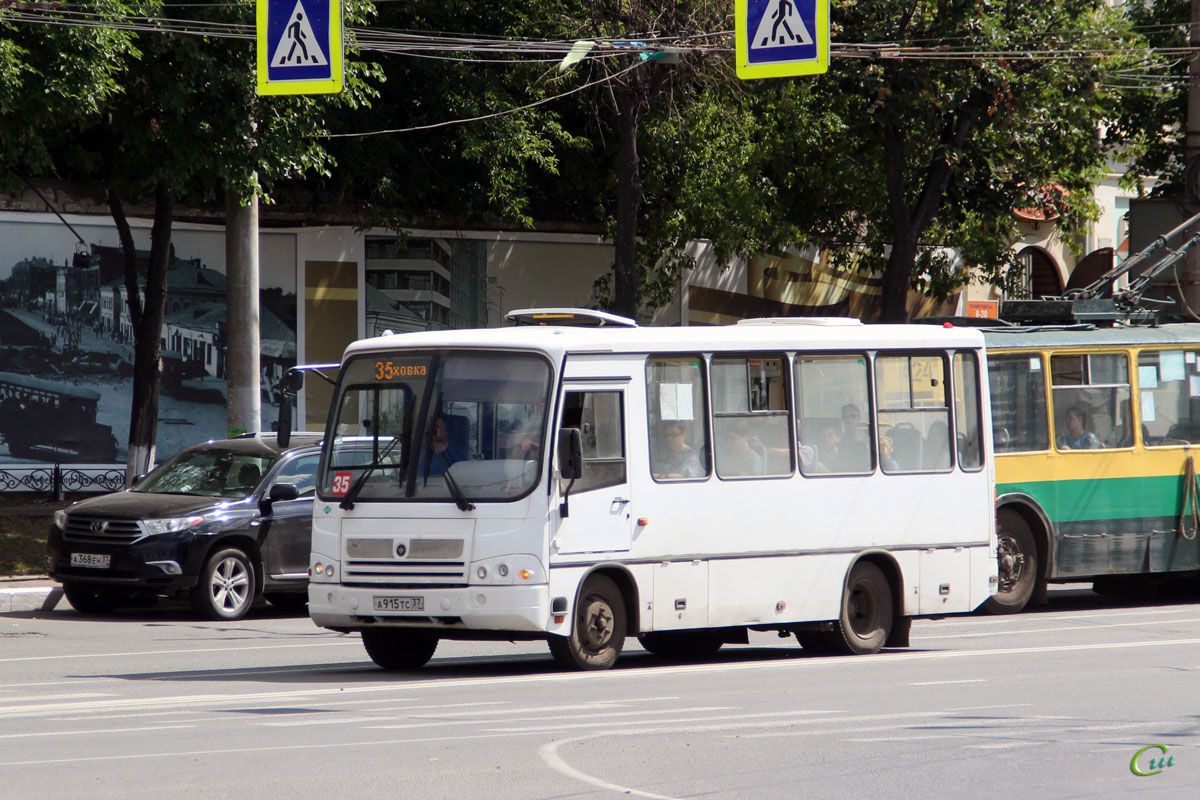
[583, 479]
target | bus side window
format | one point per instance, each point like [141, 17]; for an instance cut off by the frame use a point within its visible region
[599, 417]
[914, 411]
[677, 419]
[834, 409]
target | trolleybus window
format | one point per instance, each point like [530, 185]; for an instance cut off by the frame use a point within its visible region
[1169, 395]
[914, 411]
[750, 417]
[1018, 392]
[1091, 401]
[677, 415]
[834, 420]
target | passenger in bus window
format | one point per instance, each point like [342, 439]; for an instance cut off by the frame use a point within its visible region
[886, 461]
[1077, 436]
[736, 457]
[852, 428]
[827, 449]
[672, 457]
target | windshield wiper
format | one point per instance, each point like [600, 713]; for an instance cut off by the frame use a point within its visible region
[460, 498]
[348, 501]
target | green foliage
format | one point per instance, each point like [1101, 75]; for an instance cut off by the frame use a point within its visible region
[1153, 120]
[54, 76]
[936, 153]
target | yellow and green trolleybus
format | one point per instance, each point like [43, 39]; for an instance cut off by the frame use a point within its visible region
[1095, 433]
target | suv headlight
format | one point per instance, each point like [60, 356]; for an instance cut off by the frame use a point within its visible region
[60, 519]
[154, 527]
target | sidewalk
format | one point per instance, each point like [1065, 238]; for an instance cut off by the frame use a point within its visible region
[28, 593]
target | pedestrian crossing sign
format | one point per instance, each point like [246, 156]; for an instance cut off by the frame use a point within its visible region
[299, 46]
[778, 38]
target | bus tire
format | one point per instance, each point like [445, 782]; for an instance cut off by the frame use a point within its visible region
[399, 649]
[226, 588]
[682, 644]
[598, 631]
[865, 620]
[90, 601]
[1016, 552]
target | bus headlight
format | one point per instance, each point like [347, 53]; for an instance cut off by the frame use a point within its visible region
[513, 570]
[323, 571]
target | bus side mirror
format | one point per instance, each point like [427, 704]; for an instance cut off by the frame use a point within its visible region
[289, 387]
[293, 382]
[570, 454]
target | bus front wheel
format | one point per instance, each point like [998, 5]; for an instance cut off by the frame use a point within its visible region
[399, 649]
[1016, 553]
[866, 617]
[598, 631]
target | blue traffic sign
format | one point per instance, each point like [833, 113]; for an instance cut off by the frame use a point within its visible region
[777, 38]
[299, 46]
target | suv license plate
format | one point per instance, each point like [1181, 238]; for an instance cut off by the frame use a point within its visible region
[399, 603]
[94, 560]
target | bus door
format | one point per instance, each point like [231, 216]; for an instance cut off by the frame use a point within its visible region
[600, 503]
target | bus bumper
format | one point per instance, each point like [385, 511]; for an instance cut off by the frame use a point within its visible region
[484, 608]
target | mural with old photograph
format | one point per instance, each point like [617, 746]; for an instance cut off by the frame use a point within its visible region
[66, 344]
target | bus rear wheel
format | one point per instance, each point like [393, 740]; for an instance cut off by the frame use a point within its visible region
[598, 631]
[865, 620]
[1016, 553]
[399, 649]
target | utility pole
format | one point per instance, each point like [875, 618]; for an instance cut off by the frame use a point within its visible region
[242, 316]
[1191, 273]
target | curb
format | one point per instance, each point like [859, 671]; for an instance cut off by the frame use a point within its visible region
[30, 598]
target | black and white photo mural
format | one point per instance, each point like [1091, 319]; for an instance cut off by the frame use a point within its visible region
[66, 344]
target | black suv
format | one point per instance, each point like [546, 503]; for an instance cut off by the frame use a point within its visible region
[220, 522]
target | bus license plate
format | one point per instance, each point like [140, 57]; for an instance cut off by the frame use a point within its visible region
[94, 560]
[399, 603]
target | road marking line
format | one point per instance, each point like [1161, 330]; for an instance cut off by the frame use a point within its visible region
[1059, 630]
[240, 649]
[549, 754]
[93, 731]
[431, 682]
[946, 683]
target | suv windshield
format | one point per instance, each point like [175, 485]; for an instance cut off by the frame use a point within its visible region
[209, 472]
[407, 419]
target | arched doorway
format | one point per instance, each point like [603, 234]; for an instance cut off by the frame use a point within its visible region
[1041, 273]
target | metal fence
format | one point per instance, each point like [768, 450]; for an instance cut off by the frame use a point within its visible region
[57, 480]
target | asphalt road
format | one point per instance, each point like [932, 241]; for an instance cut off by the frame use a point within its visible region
[1050, 704]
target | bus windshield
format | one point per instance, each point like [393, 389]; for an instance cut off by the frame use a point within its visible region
[460, 426]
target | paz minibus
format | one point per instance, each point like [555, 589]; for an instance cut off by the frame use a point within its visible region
[578, 479]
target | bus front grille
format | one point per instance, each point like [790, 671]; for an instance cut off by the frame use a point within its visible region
[406, 573]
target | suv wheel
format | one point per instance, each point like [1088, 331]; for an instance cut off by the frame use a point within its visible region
[226, 588]
[89, 601]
